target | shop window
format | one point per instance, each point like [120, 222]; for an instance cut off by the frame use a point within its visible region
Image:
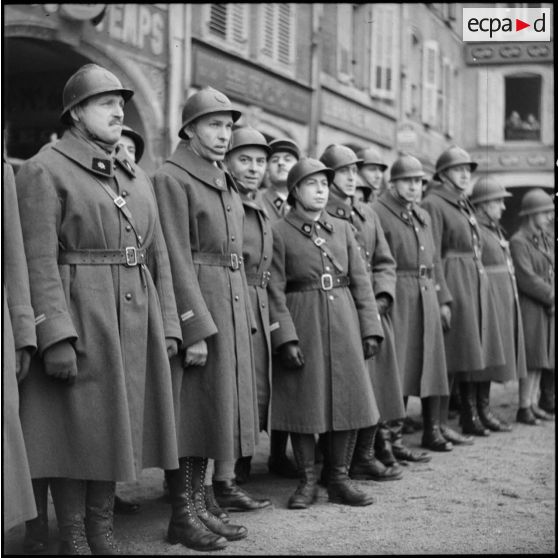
[430, 80]
[227, 24]
[523, 107]
[277, 35]
[383, 68]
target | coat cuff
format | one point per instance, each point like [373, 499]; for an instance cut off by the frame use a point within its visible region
[196, 328]
[23, 326]
[281, 333]
[53, 329]
[373, 329]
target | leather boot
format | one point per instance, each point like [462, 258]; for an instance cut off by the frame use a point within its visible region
[212, 505]
[278, 462]
[36, 530]
[487, 417]
[400, 451]
[233, 498]
[99, 517]
[431, 436]
[340, 489]
[185, 526]
[547, 398]
[242, 469]
[525, 415]
[365, 465]
[382, 445]
[324, 450]
[449, 433]
[470, 421]
[124, 507]
[307, 490]
[213, 523]
[68, 496]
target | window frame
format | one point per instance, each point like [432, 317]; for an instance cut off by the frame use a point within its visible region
[238, 46]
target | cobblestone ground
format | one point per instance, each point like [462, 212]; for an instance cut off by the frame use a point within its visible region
[497, 497]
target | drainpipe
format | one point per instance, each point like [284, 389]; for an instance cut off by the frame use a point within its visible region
[315, 83]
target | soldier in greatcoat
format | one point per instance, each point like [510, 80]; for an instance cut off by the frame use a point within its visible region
[372, 171]
[383, 369]
[324, 324]
[416, 316]
[472, 335]
[96, 406]
[19, 344]
[246, 160]
[214, 381]
[533, 257]
[488, 197]
[283, 155]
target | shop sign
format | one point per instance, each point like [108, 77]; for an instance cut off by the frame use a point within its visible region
[251, 85]
[357, 119]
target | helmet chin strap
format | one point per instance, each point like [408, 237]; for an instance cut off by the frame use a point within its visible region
[340, 192]
[400, 197]
[448, 179]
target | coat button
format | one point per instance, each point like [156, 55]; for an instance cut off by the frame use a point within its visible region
[263, 304]
[124, 193]
[128, 228]
[228, 207]
[331, 297]
[237, 298]
[422, 247]
[265, 257]
[233, 238]
[327, 268]
[318, 227]
[128, 296]
[218, 182]
[265, 233]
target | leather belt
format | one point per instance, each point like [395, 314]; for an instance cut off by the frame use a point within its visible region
[129, 256]
[232, 261]
[500, 268]
[325, 283]
[421, 271]
[258, 279]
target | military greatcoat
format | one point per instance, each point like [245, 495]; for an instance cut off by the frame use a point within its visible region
[257, 251]
[419, 339]
[202, 217]
[497, 261]
[384, 369]
[533, 259]
[274, 204]
[333, 390]
[18, 334]
[473, 342]
[117, 417]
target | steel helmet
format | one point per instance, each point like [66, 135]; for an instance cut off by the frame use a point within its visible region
[535, 201]
[136, 138]
[248, 137]
[486, 189]
[279, 145]
[452, 157]
[406, 166]
[205, 101]
[88, 81]
[371, 156]
[303, 169]
[336, 156]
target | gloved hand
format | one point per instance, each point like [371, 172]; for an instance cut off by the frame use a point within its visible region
[196, 354]
[370, 346]
[383, 301]
[60, 361]
[172, 346]
[445, 314]
[291, 355]
[23, 360]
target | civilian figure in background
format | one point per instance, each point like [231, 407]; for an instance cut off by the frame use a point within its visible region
[100, 278]
[488, 199]
[324, 324]
[19, 344]
[533, 256]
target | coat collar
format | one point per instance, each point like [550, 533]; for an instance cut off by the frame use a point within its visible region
[450, 195]
[487, 222]
[396, 206]
[211, 175]
[274, 199]
[253, 200]
[337, 207]
[307, 227]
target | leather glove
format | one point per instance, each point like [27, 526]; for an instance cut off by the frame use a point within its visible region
[172, 346]
[370, 347]
[23, 360]
[60, 361]
[383, 302]
[291, 355]
[196, 354]
[445, 314]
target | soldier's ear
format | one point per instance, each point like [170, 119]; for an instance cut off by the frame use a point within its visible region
[75, 113]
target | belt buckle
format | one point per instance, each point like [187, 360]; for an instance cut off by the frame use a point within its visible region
[235, 262]
[131, 256]
[326, 281]
[266, 276]
[423, 271]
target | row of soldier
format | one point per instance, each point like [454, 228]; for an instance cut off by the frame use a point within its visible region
[168, 322]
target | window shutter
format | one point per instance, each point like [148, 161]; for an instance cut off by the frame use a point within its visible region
[218, 20]
[490, 123]
[285, 33]
[344, 38]
[239, 23]
[430, 82]
[277, 33]
[383, 51]
[268, 29]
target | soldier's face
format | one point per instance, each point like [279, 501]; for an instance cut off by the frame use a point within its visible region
[128, 147]
[408, 188]
[248, 164]
[494, 209]
[460, 175]
[543, 220]
[210, 135]
[346, 179]
[313, 191]
[373, 175]
[278, 167]
[101, 116]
